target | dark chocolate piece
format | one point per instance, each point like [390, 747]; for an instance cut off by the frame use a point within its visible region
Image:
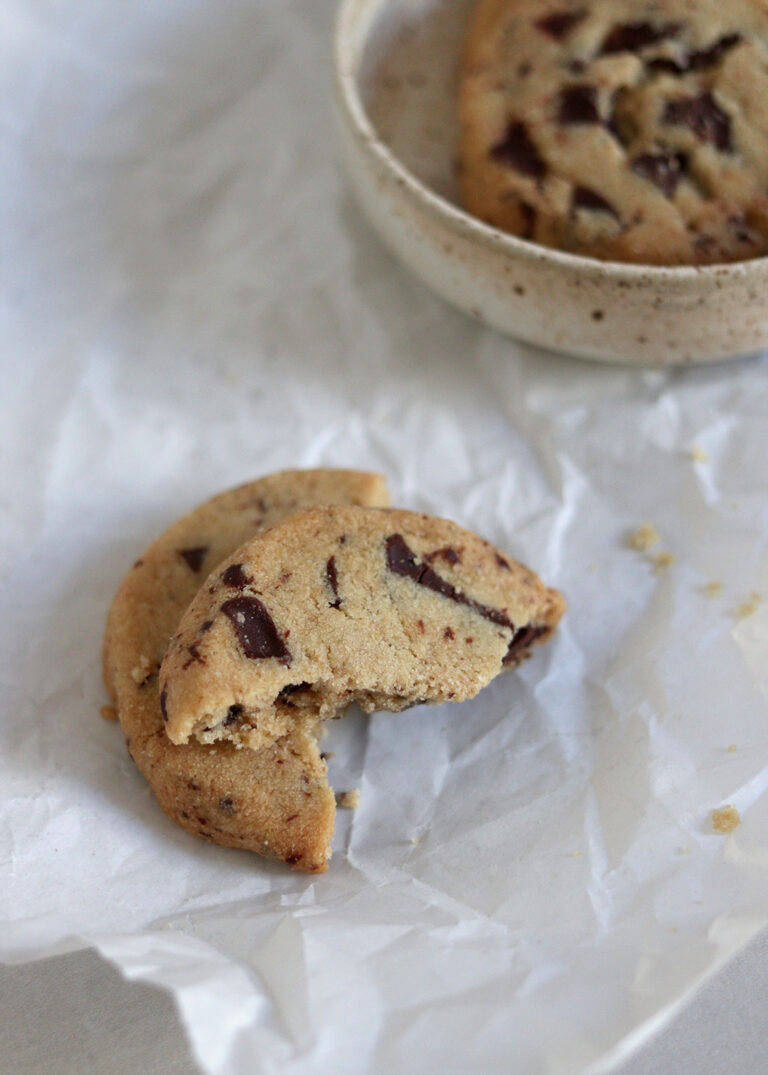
[740, 231]
[664, 169]
[236, 577]
[521, 640]
[666, 65]
[559, 25]
[634, 36]
[529, 215]
[519, 151]
[714, 54]
[163, 710]
[333, 581]
[402, 561]
[448, 554]
[698, 60]
[194, 557]
[233, 715]
[705, 118]
[586, 198]
[194, 656]
[578, 106]
[255, 629]
[290, 689]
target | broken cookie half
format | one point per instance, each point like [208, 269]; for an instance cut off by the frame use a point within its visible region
[338, 605]
[317, 607]
[275, 801]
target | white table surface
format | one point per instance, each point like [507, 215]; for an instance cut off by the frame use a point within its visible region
[75, 1013]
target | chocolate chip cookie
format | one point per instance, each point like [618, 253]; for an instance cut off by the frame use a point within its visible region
[631, 130]
[334, 605]
[275, 801]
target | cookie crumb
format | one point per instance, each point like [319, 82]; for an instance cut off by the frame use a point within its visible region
[748, 608]
[698, 454]
[108, 712]
[725, 819]
[712, 589]
[414, 840]
[142, 670]
[644, 538]
[661, 561]
[732, 748]
[348, 800]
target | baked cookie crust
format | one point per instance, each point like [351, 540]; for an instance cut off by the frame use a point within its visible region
[629, 130]
[275, 801]
[384, 608]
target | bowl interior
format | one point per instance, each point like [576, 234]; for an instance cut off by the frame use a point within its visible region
[408, 82]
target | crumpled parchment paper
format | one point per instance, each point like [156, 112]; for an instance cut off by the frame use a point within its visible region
[190, 299]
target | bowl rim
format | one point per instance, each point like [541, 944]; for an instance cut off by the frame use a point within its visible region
[471, 227]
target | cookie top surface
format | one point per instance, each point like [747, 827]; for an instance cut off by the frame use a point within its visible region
[336, 605]
[630, 130]
[275, 801]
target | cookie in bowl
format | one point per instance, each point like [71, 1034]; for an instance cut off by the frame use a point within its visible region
[630, 131]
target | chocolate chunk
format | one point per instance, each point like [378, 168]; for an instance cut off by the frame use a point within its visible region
[290, 689]
[194, 557]
[667, 65]
[333, 581]
[235, 577]
[696, 61]
[194, 656]
[233, 715]
[255, 629]
[521, 640]
[293, 858]
[227, 805]
[502, 563]
[448, 554]
[402, 561]
[578, 105]
[560, 24]
[714, 54]
[529, 215]
[634, 36]
[705, 118]
[206, 626]
[519, 151]
[585, 198]
[448, 633]
[163, 710]
[740, 229]
[664, 169]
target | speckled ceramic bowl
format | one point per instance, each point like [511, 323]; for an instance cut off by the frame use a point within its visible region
[396, 75]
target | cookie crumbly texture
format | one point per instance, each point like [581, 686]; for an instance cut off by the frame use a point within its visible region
[275, 801]
[385, 608]
[629, 130]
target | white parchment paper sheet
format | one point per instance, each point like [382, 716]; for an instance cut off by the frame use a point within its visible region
[189, 299]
